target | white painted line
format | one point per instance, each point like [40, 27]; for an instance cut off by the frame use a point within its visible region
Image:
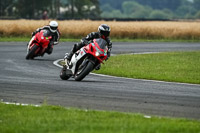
[35, 105]
[22, 104]
[137, 53]
[145, 80]
[56, 63]
[146, 116]
[147, 53]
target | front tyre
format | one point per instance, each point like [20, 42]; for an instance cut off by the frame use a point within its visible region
[31, 53]
[64, 75]
[84, 71]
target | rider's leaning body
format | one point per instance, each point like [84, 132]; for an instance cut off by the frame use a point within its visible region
[103, 32]
[54, 32]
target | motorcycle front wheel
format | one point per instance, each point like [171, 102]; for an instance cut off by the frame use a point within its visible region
[84, 71]
[32, 52]
[64, 75]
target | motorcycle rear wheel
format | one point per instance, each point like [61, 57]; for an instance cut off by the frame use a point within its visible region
[31, 52]
[84, 72]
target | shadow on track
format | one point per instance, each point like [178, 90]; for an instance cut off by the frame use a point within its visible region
[90, 81]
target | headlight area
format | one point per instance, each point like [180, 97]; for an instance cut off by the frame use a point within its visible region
[98, 52]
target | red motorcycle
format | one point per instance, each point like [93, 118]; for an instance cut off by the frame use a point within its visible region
[85, 60]
[38, 44]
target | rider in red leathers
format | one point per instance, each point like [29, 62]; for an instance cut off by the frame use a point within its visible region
[55, 33]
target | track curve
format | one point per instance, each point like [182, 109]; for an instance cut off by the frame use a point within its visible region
[36, 81]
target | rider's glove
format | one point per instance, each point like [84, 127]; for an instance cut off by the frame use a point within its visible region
[110, 45]
[108, 54]
[33, 33]
[55, 43]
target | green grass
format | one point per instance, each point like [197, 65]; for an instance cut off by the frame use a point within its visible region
[27, 38]
[169, 66]
[55, 119]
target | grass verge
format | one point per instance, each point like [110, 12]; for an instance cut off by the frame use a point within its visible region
[169, 66]
[55, 119]
[26, 39]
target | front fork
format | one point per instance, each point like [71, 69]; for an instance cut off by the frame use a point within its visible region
[30, 42]
[94, 61]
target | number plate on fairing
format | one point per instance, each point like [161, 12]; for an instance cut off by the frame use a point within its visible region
[76, 57]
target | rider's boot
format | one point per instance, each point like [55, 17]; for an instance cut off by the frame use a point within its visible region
[49, 49]
[75, 48]
[68, 56]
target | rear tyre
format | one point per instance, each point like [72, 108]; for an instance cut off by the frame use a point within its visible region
[84, 71]
[32, 52]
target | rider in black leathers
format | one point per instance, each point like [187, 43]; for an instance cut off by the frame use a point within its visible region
[103, 32]
[55, 33]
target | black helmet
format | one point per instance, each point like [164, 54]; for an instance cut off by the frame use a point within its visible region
[104, 30]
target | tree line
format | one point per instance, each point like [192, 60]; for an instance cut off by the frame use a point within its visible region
[57, 9]
[95, 9]
[151, 9]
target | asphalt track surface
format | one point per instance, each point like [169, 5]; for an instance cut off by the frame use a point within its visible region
[37, 81]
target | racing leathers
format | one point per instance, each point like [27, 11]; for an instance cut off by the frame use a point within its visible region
[89, 37]
[84, 41]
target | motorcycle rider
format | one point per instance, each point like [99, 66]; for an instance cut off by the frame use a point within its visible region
[54, 32]
[103, 32]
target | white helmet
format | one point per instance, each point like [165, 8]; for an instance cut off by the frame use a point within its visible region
[53, 26]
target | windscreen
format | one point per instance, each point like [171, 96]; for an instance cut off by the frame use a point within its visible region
[46, 33]
[102, 43]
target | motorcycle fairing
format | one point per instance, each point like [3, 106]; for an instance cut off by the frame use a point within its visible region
[95, 50]
[75, 58]
[40, 39]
